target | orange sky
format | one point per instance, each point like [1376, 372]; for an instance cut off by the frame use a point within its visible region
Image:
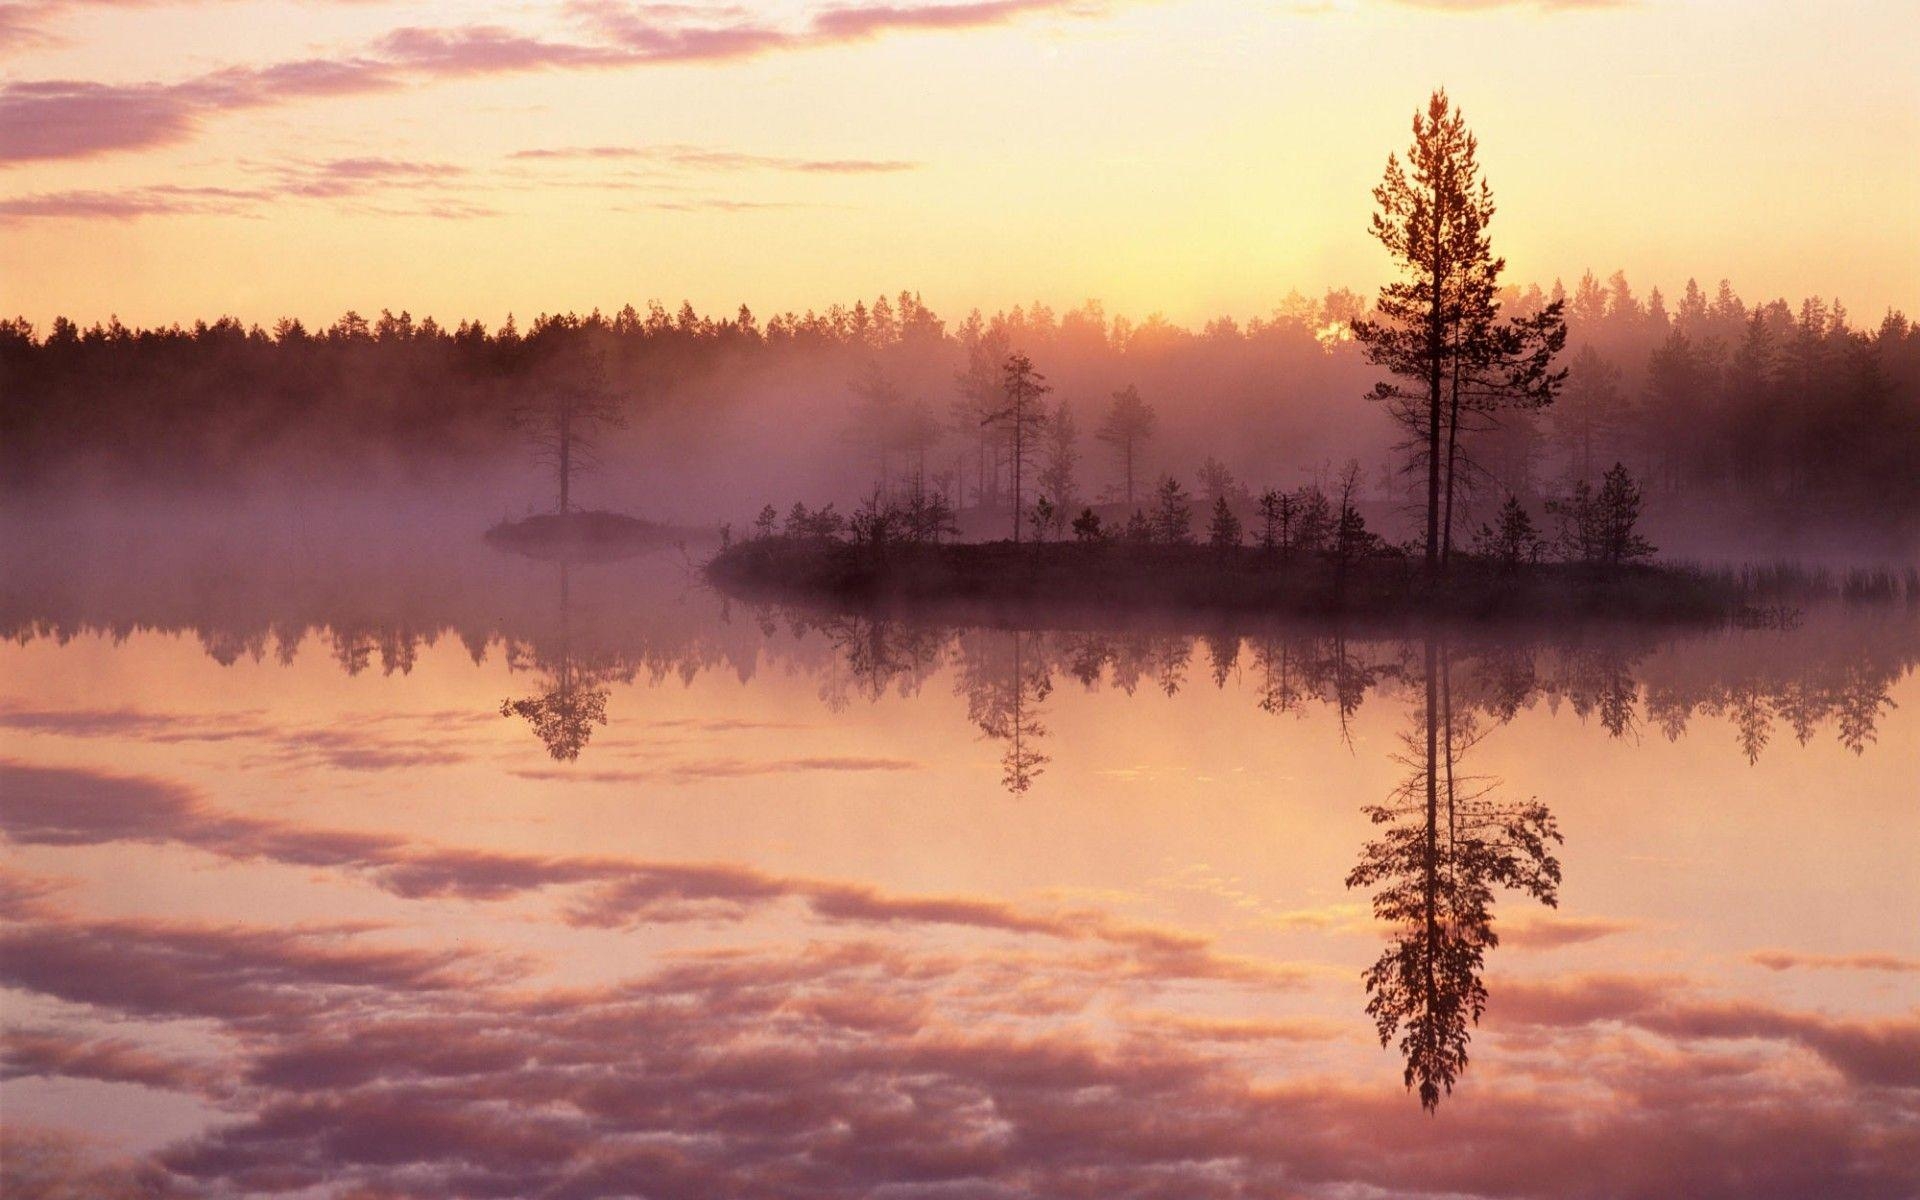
[166, 161]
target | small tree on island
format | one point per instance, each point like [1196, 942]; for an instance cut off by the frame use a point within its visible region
[1223, 532]
[1086, 527]
[564, 423]
[1172, 514]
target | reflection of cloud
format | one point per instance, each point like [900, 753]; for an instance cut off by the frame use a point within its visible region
[69, 807]
[723, 768]
[850, 1069]
[153, 968]
[367, 743]
[725, 724]
[135, 723]
[1883, 1052]
[1243, 1029]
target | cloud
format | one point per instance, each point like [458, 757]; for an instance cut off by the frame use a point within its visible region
[711, 204]
[1546, 931]
[23, 896]
[338, 179]
[701, 158]
[67, 119]
[1325, 7]
[1786, 960]
[51, 119]
[50, 1053]
[354, 176]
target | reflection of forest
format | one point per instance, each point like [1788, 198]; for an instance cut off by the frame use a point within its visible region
[611, 623]
[1837, 669]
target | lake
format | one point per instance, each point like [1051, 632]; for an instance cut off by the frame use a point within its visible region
[343, 867]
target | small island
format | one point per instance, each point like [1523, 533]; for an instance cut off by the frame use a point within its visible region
[1313, 555]
[581, 536]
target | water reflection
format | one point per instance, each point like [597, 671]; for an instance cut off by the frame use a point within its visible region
[1445, 840]
[449, 1009]
[571, 703]
[583, 629]
[1005, 682]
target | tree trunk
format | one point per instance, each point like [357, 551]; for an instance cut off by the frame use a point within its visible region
[1453, 443]
[1014, 468]
[566, 454]
[1436, 355]
[1432, 849]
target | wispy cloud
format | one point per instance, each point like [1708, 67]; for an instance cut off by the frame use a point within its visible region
[1329, 7]
[1546, 931]
[706, 158]
[163, 200]
[64, 118]
[1787, 960]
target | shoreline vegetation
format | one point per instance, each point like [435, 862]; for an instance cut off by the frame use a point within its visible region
[1074, 577]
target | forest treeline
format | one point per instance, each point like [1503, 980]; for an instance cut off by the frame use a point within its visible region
[1701, 394]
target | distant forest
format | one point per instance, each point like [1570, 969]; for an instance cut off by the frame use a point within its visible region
[1704, 396]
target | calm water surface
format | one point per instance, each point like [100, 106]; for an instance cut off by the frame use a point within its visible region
[429, 872]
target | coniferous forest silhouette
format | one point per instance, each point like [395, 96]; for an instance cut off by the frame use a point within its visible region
[1485, 391]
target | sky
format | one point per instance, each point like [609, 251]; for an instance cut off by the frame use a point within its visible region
[167, 160]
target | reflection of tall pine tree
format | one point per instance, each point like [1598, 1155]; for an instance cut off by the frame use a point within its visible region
[1445, 842]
